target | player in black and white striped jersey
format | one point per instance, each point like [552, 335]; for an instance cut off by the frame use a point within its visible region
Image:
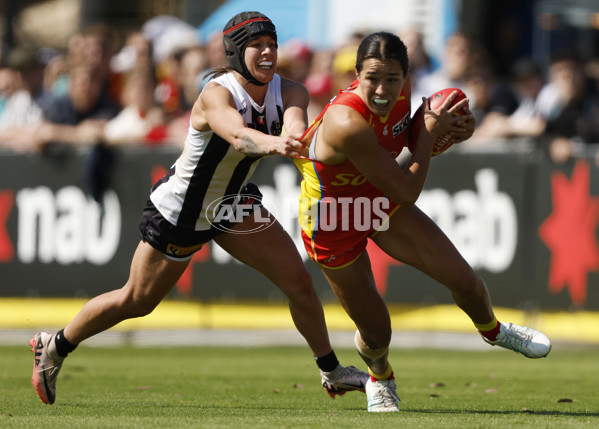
[205, 196]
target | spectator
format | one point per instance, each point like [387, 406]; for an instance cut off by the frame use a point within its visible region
[193, 65]
[489, 96]
[573, 107]
[319, 82]
[295, 60]
[319, 85]
[344, 63]
[454, 66]
[24, 89]
[96, 51]
[214, 55]
[56, 75]
[9, 84]
[141, 120]
[169, 34]
[421, 63]
[136, 52]
[26, 61]
[170, 37]
[214, 49]
[527, 120]
[189, 73]
[80, 116]
[167, 91]
[13, 100]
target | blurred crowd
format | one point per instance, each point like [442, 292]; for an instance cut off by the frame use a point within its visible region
[94, 92]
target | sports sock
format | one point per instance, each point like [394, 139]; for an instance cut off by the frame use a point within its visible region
[63, 346]
[328, 362]
[387, 375]
[489, 330]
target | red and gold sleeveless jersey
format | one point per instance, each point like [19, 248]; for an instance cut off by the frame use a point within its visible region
[343, 180]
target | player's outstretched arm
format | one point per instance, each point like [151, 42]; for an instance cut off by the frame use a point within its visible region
[215, 109]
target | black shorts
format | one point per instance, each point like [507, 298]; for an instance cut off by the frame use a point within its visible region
[178, 243]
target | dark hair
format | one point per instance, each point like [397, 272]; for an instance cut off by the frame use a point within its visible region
[382, 46]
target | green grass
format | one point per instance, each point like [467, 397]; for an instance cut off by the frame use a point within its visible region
[279, 387]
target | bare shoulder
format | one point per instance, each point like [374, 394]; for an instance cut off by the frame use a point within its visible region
[342, 123]
[291, 85]
[292, 91]
[211, 103]
[343, 133]
[214, 93]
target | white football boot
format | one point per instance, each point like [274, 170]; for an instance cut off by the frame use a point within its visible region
[343, 379]
[46, 365]
[527, 341]
[382, 396]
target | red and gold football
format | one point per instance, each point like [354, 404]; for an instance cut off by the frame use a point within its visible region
[443, 142]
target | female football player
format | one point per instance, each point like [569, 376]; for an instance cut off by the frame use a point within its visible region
[235, 122]
[354, 190]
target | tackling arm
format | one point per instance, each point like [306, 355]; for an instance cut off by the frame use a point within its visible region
[215, 109]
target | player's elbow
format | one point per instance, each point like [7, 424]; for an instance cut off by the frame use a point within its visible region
[406, 197]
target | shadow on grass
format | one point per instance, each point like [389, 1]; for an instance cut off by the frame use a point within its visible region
[512, 412]
[244, 408]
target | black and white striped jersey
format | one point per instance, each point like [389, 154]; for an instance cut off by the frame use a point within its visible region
[210, 168]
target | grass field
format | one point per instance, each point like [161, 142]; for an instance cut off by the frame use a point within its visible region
[279, 387]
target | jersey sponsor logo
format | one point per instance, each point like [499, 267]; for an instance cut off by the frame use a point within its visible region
[180, 251]
[401, 125]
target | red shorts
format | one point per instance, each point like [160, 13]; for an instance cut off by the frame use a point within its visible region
[337, 249]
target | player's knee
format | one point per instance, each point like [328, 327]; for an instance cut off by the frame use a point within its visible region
[470, 284]
[143, 307]
[135, 305]
[378, 340]
[298, 285]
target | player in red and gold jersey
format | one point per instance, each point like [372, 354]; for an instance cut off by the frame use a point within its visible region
[336, 197]
[354, 189]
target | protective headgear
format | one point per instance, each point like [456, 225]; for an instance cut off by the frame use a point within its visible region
[238, 33]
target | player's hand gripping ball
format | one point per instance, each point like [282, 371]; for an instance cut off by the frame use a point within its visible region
[436, 100]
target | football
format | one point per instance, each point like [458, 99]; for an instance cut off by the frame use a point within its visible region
[443, 142]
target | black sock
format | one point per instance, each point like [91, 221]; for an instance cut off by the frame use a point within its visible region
[327, 363]
[63, 346]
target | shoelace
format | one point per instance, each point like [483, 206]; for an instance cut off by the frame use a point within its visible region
[50, 370]
[343, 374]
[386, 394]
[347, 373]
[517, 337]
